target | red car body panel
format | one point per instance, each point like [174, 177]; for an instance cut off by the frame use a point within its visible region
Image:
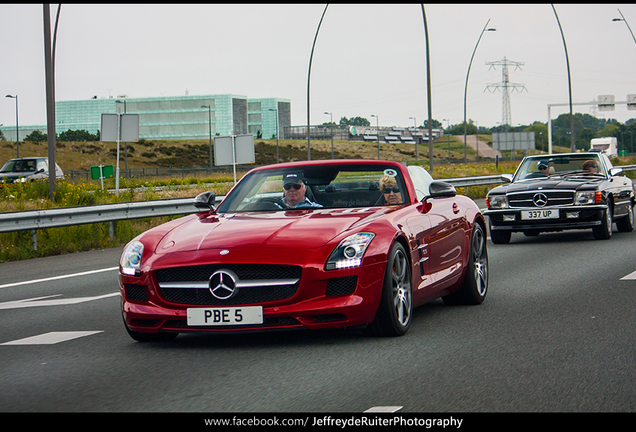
[436, 234]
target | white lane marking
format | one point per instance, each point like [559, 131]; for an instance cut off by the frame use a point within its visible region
[41, 301]
[630, 276]
[52, 338]
[389, 409]
[58, 277]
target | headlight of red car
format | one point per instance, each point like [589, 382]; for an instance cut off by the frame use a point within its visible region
[350, 251]
[130, 260]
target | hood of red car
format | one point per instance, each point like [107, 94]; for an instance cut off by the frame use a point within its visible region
[310, 228]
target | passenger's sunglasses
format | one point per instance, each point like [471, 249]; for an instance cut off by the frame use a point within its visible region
[289, 186]
[389, 190]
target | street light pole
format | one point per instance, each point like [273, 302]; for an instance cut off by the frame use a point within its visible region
[416, 143]
[567, 59]
[308, 80]
[428, 91]
[448, 135]
[377, 132]
[209, 107]
[272, 109]
[623, 19]
[17, 129]
[331, 130]
[466, 85]
[125, 143]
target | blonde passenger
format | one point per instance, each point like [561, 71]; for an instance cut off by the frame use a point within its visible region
[390, 190]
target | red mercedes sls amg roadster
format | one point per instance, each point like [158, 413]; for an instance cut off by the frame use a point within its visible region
[314, 245]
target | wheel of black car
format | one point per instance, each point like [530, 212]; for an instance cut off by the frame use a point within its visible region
[396, 304]
[150, 337]
[604, 231]
[475, 286]
[626, 224]
[500, 237]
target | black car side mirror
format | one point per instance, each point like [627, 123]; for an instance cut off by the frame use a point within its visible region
[205, 200]
[440, 189]
[507, 177]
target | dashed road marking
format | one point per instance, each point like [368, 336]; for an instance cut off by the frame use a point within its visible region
[52, 338]
[385, 409]
[630, 276]
[9, 285]
[46, 301]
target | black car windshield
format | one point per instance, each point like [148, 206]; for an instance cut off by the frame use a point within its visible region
[584, 165]
[315, 187]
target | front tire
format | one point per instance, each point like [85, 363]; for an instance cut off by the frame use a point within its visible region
[393, 317]
[604, 231]
[500, 237]
[475, 286]
[626, 224]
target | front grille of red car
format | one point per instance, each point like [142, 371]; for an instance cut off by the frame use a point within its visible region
[278, 285]
[342, 286]
[135, 292]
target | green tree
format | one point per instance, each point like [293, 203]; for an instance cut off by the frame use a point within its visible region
[78, 135]
[354, 121]
[436, 124]
[540, 135]
[36, 136]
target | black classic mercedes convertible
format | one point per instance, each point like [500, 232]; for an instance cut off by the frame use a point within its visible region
[562, 192]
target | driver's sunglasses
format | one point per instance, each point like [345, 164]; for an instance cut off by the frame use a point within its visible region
[389, 190]
[290, 185]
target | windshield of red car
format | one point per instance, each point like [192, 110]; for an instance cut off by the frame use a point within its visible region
[331, 186]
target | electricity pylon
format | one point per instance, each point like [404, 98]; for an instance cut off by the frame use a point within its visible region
[505, 86]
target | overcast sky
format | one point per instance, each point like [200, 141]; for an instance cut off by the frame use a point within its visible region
[368, 59]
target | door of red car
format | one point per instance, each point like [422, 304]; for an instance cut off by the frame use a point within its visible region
[446, 239]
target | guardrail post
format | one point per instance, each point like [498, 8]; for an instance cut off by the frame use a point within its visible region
[34, 239]
[111, 230]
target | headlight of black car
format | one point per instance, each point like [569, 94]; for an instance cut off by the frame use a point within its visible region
[587, 197]
[497, 202]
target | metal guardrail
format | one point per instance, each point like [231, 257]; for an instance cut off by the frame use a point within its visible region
[475, 181]
[61, 217]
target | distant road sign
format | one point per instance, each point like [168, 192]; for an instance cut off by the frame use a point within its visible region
[128, 128]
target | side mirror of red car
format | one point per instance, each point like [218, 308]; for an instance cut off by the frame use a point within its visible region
[440, 189]
[205, 201]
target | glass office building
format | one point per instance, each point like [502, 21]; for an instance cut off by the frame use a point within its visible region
[175, 117]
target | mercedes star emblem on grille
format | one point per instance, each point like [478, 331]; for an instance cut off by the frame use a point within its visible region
[540, 199]
[223, 284]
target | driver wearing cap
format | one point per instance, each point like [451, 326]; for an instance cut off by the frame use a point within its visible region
[544, 168]
[294, 191]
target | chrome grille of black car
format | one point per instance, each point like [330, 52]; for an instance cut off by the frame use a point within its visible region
[190, 285]
[554, 198]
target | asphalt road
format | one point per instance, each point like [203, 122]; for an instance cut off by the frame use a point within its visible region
[555, 334]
